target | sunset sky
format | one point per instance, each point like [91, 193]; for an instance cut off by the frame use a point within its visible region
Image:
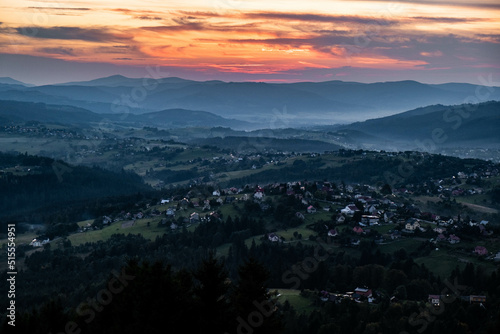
[44, 41]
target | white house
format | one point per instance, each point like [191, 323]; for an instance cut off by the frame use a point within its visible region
[38, 243]
[194, 217]
[412, 225]
[311, 209]
[350, 210]
[258, 195]
[273, 237]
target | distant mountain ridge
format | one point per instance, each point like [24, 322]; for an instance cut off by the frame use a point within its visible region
[270, 104]
[15, 111]
[10, 81]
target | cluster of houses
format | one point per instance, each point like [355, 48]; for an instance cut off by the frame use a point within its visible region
[359, 295]
[365, 295]
[438, 300]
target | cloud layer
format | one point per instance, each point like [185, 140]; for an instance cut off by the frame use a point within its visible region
[414, 36]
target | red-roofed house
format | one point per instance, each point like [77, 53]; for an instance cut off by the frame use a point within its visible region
[311, 209]
[357, 229]
[363, 292]
[453, 239]
[480, 250]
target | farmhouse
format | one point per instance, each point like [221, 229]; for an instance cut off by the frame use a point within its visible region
[412, 225]
[453, 239]
[311, 209]
[480, 250]
[350, 210]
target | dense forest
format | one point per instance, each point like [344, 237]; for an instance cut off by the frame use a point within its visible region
[35, 187]
[224, 295]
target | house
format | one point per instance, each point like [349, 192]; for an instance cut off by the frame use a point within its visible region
[170, 212]
[482, 230]
[311, 209]
[38, 243]
[395, 234]
[365, 292]
[453, 239]
[355, 242]
[216, 193]
[441, 237]
[439, 230]
[333, 233]
[393, 207]
[357, 230]
[326, 296]
[372, 209]
[370, 219]
[480, 250]
[350, 210]
[35, 243]
[434, 300]
[163, 201]
[194, 218]
[412, 225]
[388, 216]
[273, 237]
[106, 220]
[340, 218]
[258, 195]
[497, 257]
[473, 299]
[173, 226]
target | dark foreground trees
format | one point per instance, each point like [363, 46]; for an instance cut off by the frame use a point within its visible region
[153, 298]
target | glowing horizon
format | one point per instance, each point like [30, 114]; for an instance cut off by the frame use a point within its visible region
[279, 41]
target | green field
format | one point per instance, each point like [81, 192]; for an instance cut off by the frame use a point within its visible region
[408, 244]
[300, 303]
[139, 227]
[440, 263]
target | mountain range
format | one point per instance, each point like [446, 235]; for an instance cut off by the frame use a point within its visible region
[268, 105]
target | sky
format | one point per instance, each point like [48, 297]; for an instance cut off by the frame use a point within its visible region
[45, 41]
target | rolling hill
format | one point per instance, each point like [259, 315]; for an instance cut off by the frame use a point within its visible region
[435, 126]
[15, 111]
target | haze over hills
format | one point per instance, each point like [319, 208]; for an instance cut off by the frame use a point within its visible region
[432, 127]
[15, 111]
[271, 105]
[426, 129]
